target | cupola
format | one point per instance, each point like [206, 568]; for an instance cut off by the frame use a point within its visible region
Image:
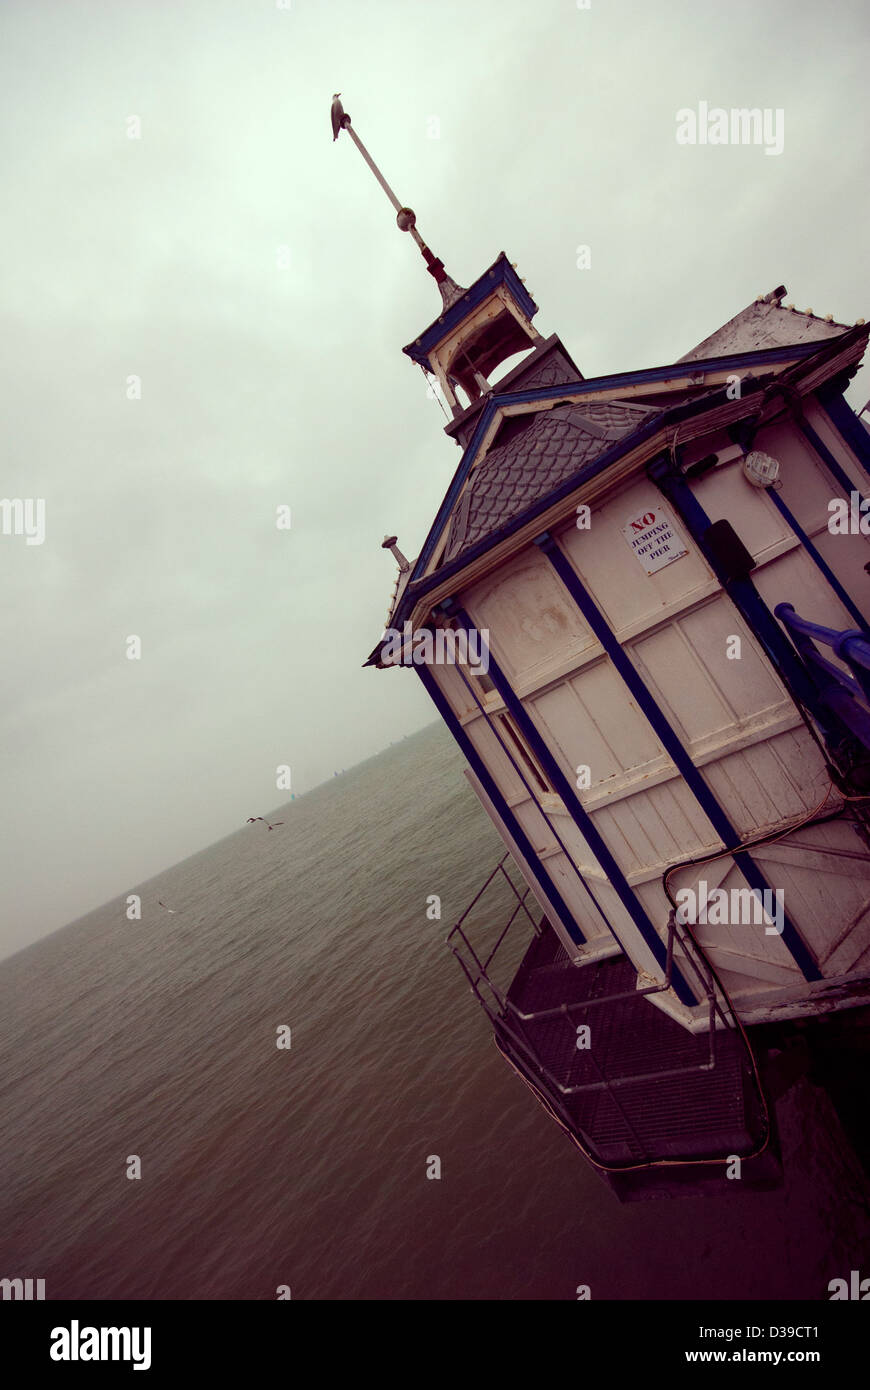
[486, 324]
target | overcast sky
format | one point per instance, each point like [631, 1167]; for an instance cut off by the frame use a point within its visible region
[530, 126]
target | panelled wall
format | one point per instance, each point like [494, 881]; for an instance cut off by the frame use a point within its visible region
[751, 758]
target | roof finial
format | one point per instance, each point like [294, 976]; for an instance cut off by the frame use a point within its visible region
[389, 543]
[405, 217]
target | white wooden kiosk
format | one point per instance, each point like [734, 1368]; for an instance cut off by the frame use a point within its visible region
[666, 570]
[655, 587]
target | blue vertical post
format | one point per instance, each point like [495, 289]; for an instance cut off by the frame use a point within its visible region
[750, 604]
[579, 815]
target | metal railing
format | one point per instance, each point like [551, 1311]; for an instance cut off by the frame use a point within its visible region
[483, 966]
[511, 1020]
[847, 695]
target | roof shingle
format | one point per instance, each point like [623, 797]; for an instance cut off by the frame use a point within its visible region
[540, 451]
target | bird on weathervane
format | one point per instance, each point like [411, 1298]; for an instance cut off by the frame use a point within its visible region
[340, 118]
[406, 219]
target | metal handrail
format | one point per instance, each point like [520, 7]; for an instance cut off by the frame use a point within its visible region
[499, 868]
[606, 1083]
[483, 966]
[847, 695]
[851, 645]
[829, 635]
[540, 1014]
[830, 669]
[507, 1009]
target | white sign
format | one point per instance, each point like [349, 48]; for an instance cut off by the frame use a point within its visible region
[653, 539]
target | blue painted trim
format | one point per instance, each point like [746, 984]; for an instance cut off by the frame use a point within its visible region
[759, 357]
[831, 463]
[493, 726]
[855, 651]
[851, 647]
[647, 429]
[501, 272]
[746, 598]
[817, 559]
[631, 677]
[846, 423]
[581, 818]
[523, 843]
[648, 706]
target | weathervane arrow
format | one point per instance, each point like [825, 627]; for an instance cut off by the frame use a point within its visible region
[406, 218]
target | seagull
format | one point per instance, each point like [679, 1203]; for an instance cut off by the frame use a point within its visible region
[252, 819]
[340, 117]
[162, 904]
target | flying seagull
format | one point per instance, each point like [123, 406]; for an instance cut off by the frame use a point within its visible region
[340, 117]
[162, 904]
[251, 820]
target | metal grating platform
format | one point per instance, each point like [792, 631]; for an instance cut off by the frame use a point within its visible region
[697, 1114]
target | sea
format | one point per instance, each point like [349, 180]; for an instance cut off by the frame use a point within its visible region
[283, 1057]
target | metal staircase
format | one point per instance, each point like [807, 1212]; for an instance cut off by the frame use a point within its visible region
[632, 1087]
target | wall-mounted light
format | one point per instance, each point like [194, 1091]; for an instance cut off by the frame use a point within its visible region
[760, 468]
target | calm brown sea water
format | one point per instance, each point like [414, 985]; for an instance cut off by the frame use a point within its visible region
[307, 1167]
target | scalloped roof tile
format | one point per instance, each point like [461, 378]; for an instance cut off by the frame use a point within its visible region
[539, 452]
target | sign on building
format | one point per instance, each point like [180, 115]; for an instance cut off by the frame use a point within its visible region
[653, 539]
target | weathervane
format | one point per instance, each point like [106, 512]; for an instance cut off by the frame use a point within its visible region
[405, 217]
